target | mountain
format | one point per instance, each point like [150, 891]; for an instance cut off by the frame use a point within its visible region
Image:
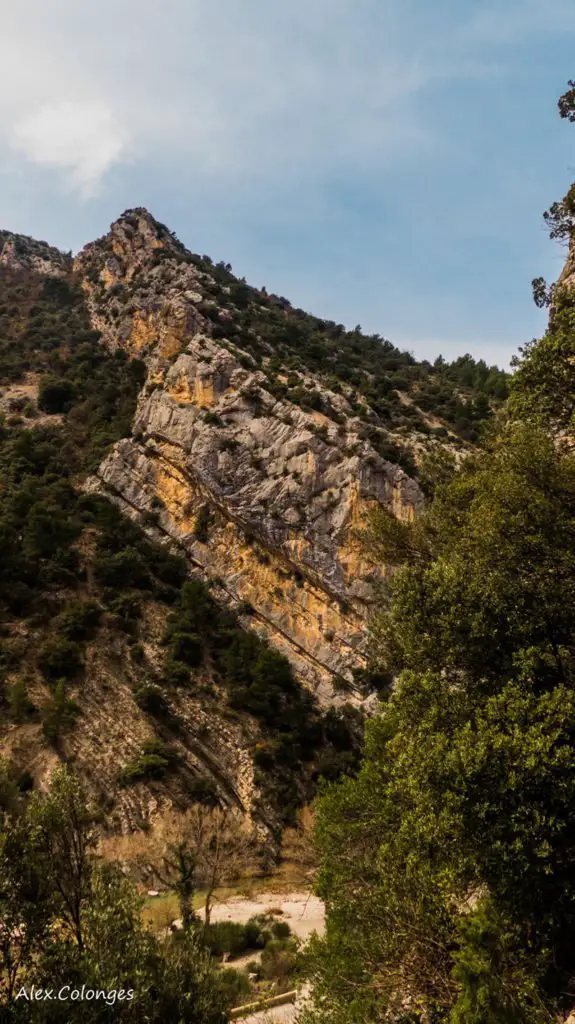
[188, 464]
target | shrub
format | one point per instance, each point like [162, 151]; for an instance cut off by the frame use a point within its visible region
[226, 937]
[187, 648]
[280, 958]
[202, 524]
[19, 703]
[212, 419]
[153, 762]
[128, 609]
[201, 790]
[258, 931]
[176, 673]
[281, 930]
[124, 569]
[78, 621]
[25, 781]
[55, 395]
[151, 700]
[60, 659]
[58, 714]
[234, 938]
[234, 986]
[138, 653]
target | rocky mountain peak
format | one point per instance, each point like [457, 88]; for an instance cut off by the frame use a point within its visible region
[245, 436]
[264, 495]
[138, 231]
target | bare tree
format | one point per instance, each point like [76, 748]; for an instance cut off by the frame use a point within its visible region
[220, 845]
[178, 872]
[209, 846]
[298, 841]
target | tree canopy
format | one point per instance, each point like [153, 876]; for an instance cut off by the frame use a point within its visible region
[448, 863]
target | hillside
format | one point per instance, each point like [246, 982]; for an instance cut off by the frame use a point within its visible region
[186, 467]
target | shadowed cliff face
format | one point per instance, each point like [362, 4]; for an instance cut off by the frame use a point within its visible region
[266, 498]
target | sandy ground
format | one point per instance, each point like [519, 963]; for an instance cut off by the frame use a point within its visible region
[303, 912]
[286, 1014]
[281, 1014]
[27, 391]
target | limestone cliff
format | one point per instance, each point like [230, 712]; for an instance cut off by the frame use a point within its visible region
[247, 437]
[265, 497]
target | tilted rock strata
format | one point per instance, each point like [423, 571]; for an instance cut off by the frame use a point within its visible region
[265, 498]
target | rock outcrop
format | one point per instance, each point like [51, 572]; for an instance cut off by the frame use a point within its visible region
[266, 498]
[18, 252]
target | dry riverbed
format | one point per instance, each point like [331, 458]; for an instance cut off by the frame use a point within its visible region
[303, 912]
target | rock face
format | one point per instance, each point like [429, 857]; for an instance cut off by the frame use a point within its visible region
[18, 252]
[265, 498]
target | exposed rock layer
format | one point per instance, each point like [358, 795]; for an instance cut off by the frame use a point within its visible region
[265, 498]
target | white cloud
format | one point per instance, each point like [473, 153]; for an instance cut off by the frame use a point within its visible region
[326, 142]
[245, 94]
[248, 92]
[81, 138]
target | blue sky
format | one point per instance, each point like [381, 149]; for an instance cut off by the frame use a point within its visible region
[383, 162]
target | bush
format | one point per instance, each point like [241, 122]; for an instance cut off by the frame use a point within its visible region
[234, 938]
[151, 700]
[280, 958]
[176, 673]
[234, 986]
[19, 703]
[201, 790]
[55, 395]
[138, 653]
[124, 569]
[187, 647]
[128, 609]
[58, 714]
[281, 930]
[25, 781]
[60, 659]
[258, 931]
[78, 621]
[226, 937]
[154, 761]
[202, 524]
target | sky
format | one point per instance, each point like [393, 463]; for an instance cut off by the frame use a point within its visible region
[381, 162]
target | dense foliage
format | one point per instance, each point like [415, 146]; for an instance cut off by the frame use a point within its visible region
[543, 386]
[67, 920]
[448, 863]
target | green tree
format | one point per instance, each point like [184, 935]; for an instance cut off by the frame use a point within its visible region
[543, 387]
[68, 840]
[26, 903]
[58, 714]
[19, 703]
[447, 865]
[68, 920]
